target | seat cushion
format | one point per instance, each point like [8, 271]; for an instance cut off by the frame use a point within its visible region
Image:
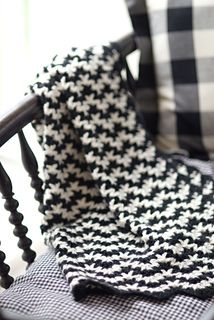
[176, 81]
[43, 293]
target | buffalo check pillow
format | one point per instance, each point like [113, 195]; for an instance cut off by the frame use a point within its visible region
[176, 75]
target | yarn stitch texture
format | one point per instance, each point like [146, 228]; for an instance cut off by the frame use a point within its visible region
[121, 216]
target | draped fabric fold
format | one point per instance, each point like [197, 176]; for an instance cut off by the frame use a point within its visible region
[121, 216]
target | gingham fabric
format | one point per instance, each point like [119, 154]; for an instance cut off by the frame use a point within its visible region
[43, 294]
[176, 78]
[122, 216]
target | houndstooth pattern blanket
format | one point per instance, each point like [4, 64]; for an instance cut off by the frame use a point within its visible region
[121, 216]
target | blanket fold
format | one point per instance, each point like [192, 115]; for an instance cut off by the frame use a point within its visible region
[121, 216]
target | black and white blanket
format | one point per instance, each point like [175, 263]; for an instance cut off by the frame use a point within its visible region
[121, 216]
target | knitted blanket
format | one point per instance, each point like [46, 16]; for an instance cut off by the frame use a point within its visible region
[121, 216]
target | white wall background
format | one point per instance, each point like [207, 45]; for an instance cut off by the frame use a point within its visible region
[31, 32]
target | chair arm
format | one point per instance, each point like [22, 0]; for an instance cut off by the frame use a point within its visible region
[18, 117]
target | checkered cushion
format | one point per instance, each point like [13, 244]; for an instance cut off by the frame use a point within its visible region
[43, 294]
[176, 78]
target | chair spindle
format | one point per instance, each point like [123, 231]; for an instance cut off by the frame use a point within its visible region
[31, 166]
[6, 279]
[16, 217]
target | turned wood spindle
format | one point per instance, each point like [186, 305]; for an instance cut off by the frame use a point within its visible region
[16, 217]
[5, 279]
[31, 166]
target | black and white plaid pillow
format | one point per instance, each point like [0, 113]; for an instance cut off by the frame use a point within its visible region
[176, 79]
